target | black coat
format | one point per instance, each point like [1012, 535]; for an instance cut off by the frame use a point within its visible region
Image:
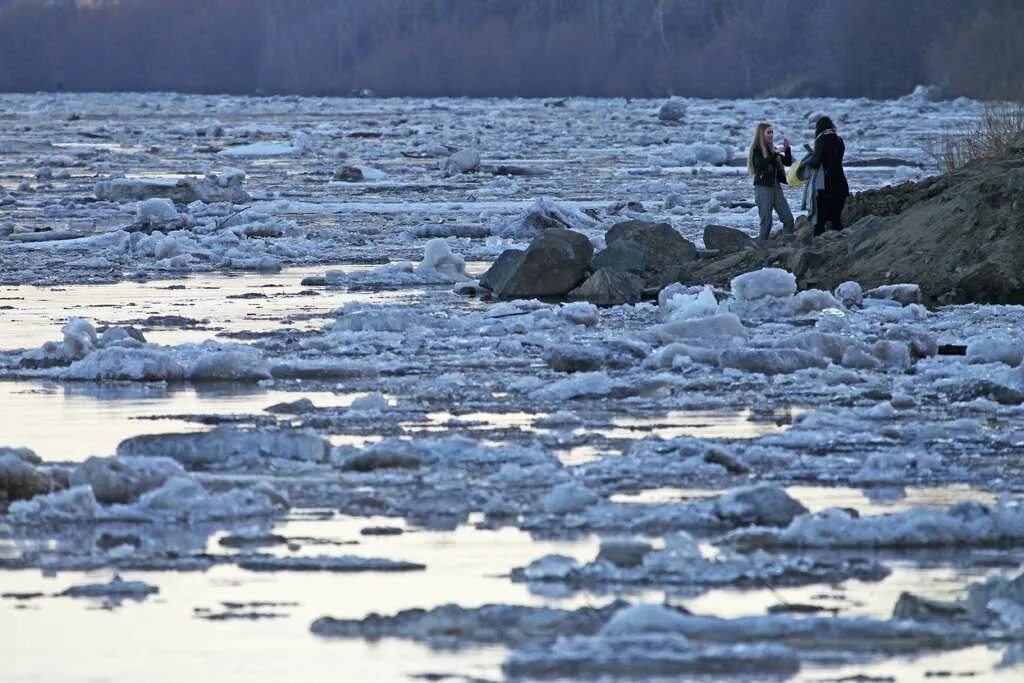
[769, 171]
[829, 149]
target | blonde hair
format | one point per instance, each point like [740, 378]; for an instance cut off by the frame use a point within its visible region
[757, 142]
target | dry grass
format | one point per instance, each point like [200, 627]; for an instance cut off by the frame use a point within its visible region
[1000, 126]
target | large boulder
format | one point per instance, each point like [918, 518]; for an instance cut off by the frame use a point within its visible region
[622, 255]
[501, 268]
[726, 240]
[553, 264]
[665, 251]
[609, 287]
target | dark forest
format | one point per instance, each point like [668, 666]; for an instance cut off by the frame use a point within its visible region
[528, 48]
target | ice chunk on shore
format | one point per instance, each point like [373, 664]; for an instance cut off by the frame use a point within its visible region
[644, 618]
[79, 337]
[702, 153]
[849, 293]
[438, 257]
[124, 479]
[771, 361]
[156, 211]
[207, 361]
[996, 349]
[905, 294]
[711, 329]
[179, 499]
[964, 524]
[763, 283]
[568, 497]
[76, 504]
[579, 385]
[543, 214]
[228, 447]
[687, 306]
[119, 363]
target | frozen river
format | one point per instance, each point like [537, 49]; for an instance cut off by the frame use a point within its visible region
[265, 404]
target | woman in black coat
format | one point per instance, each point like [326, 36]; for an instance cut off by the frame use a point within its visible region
[827, 155]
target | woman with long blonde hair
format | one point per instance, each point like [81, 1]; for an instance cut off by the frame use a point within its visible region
[766, 163]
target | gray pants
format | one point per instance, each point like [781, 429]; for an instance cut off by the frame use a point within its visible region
[769, 198]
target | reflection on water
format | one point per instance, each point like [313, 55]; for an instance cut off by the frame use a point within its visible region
[465, 566]
[869, 501]
[72, 421]
[973, 664]
[666, 494]
[880, 500]
[246, 302]
[744, 424]
[100, 146]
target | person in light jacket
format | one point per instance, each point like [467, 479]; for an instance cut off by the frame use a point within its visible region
[765, 162]
[831, 190]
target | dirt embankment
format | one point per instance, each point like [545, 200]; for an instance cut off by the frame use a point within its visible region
[960, 236]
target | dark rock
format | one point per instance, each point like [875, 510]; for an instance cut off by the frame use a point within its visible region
[727, 240]
[381, 531]
[512, 170]
[762, 505]
[730, 462]
[254, 541]
[665, 250]
[381, 457]
[913, 608]
[19, 478]
[303, 405]
[624, 552]
[107, 541]
[554, 263]
[803, 260]
[501, 268]
[349, 174]
[990, 283]
[608, 287]
[623, 255]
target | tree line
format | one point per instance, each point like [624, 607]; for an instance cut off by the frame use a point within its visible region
[528, 48]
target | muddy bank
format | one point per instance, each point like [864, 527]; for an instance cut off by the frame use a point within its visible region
[959, 236]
